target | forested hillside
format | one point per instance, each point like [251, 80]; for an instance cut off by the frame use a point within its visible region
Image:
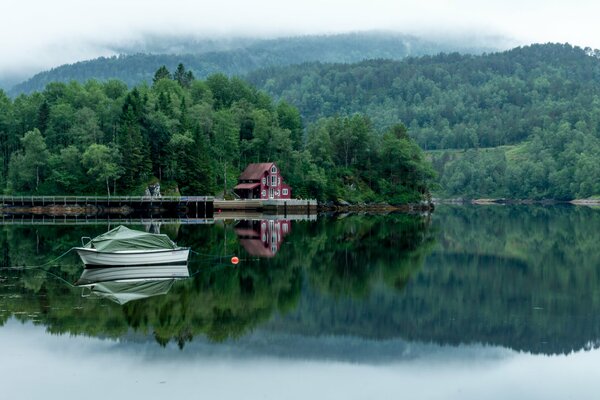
[241, 56]
[541, 100]
[194, 136]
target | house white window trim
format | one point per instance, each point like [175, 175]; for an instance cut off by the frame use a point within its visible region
[273, 169]
[284, 192]
[264, 180]
[273, 180]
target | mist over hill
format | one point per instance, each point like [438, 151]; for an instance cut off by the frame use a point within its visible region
[138, 61]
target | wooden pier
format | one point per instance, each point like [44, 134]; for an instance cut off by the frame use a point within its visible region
[84, 220]
[277, 207]
[141, 206]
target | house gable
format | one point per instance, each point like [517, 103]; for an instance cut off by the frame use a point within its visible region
[268, 176]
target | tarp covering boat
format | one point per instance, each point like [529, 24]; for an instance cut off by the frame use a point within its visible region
[122, 238]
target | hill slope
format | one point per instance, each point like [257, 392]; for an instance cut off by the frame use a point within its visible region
[543, 97]
[243, 56]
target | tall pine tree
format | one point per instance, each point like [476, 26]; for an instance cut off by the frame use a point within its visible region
[136, 163]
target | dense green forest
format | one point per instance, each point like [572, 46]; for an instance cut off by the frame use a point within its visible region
[195, 136]
[540, 100]
[525, 278]
[523, 123]
[240, 56]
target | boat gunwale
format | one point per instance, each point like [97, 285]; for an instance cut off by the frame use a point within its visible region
[127, 252]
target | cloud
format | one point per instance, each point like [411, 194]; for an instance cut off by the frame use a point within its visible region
[41, 34]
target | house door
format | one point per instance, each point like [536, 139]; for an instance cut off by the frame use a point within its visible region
[271, 193]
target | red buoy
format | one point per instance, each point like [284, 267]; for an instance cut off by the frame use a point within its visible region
[235, 260]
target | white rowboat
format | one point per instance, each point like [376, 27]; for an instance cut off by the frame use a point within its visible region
[94, 257]
[124, 247]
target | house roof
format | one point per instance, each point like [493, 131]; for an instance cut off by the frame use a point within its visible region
[247, 233]
[255, 171]
[247, 185]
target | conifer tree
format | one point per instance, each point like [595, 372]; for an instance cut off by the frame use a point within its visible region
[161, 73]
[136, 163]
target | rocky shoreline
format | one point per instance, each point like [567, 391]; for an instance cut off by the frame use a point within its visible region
[61, 210]
[503, 201]
[331, 207]
[345, 207]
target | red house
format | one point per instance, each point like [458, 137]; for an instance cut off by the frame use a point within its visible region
[262, 181]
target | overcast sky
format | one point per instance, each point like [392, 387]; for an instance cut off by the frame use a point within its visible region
[38, 34]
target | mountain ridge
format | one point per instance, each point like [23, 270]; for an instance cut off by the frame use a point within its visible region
[252, 55]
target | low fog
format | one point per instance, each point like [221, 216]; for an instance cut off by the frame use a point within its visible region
[42, 35]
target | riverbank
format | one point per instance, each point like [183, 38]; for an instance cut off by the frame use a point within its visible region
[376, 207]
[593, 202]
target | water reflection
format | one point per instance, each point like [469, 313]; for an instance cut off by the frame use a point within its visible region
[124, 284]
[263, 238]
[524, 278]
[122, 292]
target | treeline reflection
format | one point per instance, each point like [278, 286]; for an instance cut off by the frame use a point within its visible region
[520, 277]
[343, 257]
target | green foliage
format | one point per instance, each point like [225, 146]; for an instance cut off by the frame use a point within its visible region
[28, 167]
[449, 100]
[103, 164]
[161, 73]
[356, 164]
[544, 98]
[196, 136]
[556, 163]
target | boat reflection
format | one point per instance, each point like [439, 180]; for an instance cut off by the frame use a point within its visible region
[124, 284]
[262, 238]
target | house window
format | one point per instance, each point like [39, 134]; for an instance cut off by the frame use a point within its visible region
[264, 181]
[273, 180]
[285, 192]
[264, 193]
[277, 193]
[273, 169]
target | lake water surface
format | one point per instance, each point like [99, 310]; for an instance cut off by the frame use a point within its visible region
[495, 302]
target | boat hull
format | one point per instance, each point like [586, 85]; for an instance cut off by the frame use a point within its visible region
[99, 259]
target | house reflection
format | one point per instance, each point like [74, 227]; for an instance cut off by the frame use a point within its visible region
[262, 238]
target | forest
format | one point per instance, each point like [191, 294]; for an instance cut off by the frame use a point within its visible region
[519, 124]
[523, 123]
[195, 137]
[240, 56]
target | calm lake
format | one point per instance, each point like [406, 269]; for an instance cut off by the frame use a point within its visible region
[494, 302]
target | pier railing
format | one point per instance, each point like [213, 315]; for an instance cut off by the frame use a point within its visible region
[26, 200]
